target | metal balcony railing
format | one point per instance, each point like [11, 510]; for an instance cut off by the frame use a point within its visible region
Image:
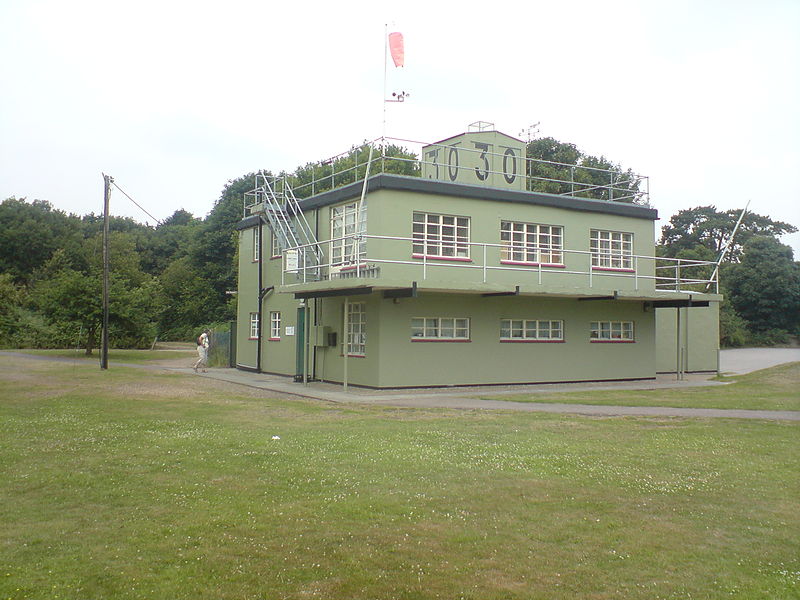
[404, 157]
[391, 257]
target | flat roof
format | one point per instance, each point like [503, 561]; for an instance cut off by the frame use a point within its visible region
[386, 181]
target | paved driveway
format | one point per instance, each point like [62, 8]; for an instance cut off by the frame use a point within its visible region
[745, 360]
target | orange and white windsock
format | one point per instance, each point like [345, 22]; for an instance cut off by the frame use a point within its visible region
[396, 48]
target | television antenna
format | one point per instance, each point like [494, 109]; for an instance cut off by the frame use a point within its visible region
[531, 132]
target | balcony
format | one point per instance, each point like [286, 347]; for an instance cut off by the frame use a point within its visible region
[388, 262]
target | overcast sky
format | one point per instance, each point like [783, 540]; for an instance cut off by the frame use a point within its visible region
[175, 98]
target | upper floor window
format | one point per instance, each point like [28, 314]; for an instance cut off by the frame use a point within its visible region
[274, 247]
[346, 222]
[531, 243]
[256, 243]
[525, 330]
[440, 236]
[440, 328]
[611, 331]
[611, 249]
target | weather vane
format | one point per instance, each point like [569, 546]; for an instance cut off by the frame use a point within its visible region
[398, 97]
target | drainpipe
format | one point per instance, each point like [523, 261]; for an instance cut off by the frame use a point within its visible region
[345, 346]
[260, 294]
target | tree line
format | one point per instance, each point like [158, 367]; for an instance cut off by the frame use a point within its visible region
[171, 280]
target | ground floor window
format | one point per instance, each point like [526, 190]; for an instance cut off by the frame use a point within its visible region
[529, 330]
[356, 329]
[611, 331]
[440, 329]
[254, 326]
[275, 325]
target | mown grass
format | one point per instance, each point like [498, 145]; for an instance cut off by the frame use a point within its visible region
[776, 388]
[116, 355]
[142, 484]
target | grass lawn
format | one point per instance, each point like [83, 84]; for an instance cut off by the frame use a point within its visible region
[134, 483]
[116, 355]
[777, 388]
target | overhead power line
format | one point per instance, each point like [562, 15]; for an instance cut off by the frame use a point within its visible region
[136, 203]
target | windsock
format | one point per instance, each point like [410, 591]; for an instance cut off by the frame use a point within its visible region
[396, 48]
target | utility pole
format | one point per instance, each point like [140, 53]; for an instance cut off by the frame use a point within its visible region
[107, 180]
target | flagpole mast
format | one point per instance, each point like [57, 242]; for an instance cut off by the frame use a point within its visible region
[385, 59]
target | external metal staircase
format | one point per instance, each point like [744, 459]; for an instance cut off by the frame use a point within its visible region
[275, 199]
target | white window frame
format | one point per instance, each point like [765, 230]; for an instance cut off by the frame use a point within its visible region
[346, 221]
[611, 250]
[253, 326]
[531, 330]
[440, 236]
[440, 329]
[275, 325]
[274, 248]
[612, 331]
[356, 338]
[531, 243]
[255, 244]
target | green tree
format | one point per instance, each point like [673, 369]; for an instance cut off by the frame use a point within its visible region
[765, 286]
[31, 232]
[170, 240]
[70, 296]
[350, 167]
[568, 170]
[189, 300]
[708, 227]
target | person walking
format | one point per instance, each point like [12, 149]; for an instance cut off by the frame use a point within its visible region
[202, 351]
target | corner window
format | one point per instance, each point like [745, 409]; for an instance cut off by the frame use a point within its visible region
[346, 224]
[531, 243]
[440, 236]
[253, 325]
[274, 325]
[611, 249]
[611, 331]
[356, 329]
[439, 329]
[527, 330]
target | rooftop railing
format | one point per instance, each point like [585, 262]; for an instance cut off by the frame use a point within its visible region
[391, 257]
[404, 157]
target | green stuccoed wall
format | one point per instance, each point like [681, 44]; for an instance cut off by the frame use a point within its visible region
[699, 338]
[394, 360]
[487, 360]
[246, 300]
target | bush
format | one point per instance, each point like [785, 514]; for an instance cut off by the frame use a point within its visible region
[771, 337]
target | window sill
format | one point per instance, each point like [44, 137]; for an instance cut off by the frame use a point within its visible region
[614, 269]
[441, 340]
[612, 341]
[354, 355]
[277, 256]
[531, 341]
[533, 264]
[273, 339]
[252, 338]
[450, 258]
